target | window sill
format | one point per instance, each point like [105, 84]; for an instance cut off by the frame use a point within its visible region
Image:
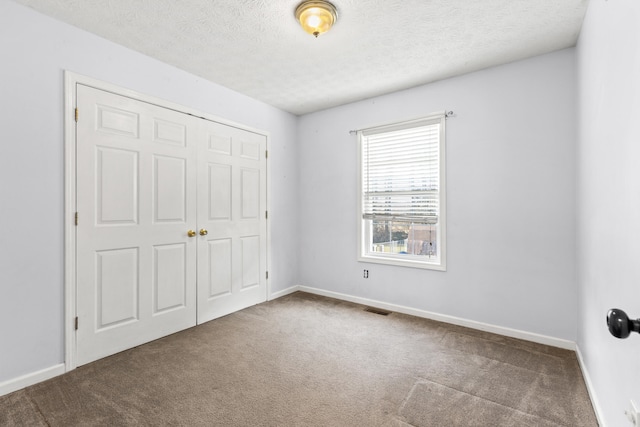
[398, 261]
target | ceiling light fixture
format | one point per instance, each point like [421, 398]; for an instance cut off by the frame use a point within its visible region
[316, 17]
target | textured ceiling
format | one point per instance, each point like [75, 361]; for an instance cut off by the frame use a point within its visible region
[256, 47]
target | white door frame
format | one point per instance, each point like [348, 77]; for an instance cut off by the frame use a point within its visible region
[71, 79]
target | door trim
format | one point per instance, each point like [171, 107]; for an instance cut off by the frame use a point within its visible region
[71, 80]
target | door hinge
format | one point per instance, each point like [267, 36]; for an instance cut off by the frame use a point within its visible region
[76, 323]
[76, 115]
[76, 218]
[266, 275]
[266, 154]
[266, 214]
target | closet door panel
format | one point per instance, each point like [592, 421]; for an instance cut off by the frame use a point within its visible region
[232, 209]
[136, 199]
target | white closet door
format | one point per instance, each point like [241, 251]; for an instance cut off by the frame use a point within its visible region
[136, 200]
[232, 256]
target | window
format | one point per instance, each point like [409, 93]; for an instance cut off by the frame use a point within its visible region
[402, 193]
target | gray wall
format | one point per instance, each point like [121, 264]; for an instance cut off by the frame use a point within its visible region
[510, 198]
[35, 50]
[608, 57]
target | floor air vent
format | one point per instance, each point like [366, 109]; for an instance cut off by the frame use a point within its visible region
[379, 311]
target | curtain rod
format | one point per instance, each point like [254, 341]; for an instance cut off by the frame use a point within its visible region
[447, 114]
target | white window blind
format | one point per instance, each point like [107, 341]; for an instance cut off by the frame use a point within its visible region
[400, 174]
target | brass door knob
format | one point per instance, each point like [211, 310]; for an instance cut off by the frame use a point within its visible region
[203, 232]
[191, 233]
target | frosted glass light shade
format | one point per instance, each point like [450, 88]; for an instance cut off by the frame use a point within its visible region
[316, 17]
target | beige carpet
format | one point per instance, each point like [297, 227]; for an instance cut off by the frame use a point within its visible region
[305, 360]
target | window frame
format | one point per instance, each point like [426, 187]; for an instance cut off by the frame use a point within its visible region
[364, 255]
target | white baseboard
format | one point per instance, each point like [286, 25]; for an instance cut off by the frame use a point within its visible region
[590, 389]
[284, 292]
[30, 379]
[500, 330]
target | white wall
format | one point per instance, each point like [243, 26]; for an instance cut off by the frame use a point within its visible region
[35, 50]
[510, 198]
[608, 58]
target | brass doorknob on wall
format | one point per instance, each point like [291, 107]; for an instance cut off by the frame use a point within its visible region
[203, 232]
[191, 233]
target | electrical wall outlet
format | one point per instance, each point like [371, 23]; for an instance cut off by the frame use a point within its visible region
[632, 413]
